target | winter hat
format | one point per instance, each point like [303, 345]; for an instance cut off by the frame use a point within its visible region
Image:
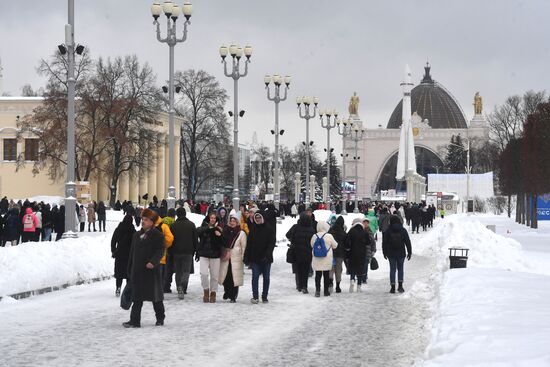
[258, 218]
[234, 216]
[148, 213]
[357, 220]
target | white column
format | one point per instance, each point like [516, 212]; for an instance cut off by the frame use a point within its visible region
[123, 189]
[133, 186]
[161, 183]
[152, 176]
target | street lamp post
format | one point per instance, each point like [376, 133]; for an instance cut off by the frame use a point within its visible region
[344, 129]
[70, 185]
[307, 114]
[172, 12]
[236, 52]
[277, 98]
[357, 135]
[330, 123]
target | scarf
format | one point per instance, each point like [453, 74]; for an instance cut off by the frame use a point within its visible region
[230, 235]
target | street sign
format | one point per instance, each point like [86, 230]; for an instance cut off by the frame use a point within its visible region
[543, 207]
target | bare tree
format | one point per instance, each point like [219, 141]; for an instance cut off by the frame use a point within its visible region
[205, 131]
[506, 121]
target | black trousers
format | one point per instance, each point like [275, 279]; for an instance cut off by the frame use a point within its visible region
[326, 280]
[302, 273]
[168, 271]
[82, 225]
[135, 314]
[102, 224]
[231, 292]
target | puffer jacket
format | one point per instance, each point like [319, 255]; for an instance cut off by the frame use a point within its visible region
[299, 236]
[168, 238]
[210, 244]
[31, 217]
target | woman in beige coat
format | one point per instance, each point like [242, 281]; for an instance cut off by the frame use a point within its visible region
[91, 215]
[323, 265]
[231, 264]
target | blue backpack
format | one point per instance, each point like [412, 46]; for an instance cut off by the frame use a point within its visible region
[319, 247]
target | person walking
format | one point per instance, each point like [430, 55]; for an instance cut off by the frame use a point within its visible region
[38, 229]
[91, 215]
[169, 271]
[12, 227]
[416, 218]
[184, 246]
[371, 247]
[208, 253]
[338, 231]
[30, 223]
[356, 245]
[396, 245]
[144, 270]
[259, 254]
[231, 264]
[101, 215]
[323, 244]
[47, 223]
[121, 243]
[82, 216]
[168, 241]
[300, 236]
[59, 224]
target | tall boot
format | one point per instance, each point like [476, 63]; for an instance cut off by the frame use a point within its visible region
[212, 297]
[206, 296]
[400, 288]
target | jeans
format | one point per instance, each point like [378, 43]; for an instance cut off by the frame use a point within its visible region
[210, 267]
[183, 269]
[264, 269]
[396, 263]
[47, 234]
[135, 314]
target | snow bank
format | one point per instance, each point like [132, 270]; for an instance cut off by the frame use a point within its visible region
[487, 249]
[34, 265]
[52, 200]
[492, 317]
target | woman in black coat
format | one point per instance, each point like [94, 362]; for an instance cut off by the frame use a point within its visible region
[121, 243]
[12, 227]
[299, 236]
[101, 215]
[338, 231]
[59, 224]
[356, 244]
[144, 269]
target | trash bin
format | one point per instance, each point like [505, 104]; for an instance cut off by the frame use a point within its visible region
[458, 257]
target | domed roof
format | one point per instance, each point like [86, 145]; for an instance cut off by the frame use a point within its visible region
[432, 102]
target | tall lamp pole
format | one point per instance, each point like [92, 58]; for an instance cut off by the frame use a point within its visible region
[236, 53]
[328, 121]
[307, 112]
[277, 98]
[344, 129]
[172, 12]
[357, 135]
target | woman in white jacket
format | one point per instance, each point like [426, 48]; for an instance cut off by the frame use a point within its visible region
[322, 264]
[231, 262]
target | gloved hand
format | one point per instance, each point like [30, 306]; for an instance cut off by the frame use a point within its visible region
[409, 257]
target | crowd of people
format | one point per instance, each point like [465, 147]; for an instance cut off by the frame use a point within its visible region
[25, 221]
[228, 241]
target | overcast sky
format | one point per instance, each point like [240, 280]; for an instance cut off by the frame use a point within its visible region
[330, 48]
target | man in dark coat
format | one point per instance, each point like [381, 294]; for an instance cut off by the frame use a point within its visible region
[299, 236]
[394, 242]
[259, 253]
[184, 246]
[416, 217]
[121, 242]
[357, 242]
[144, 269]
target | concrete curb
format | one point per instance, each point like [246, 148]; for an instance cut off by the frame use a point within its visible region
[54, 288]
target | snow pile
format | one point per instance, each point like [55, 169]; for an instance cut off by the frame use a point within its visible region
[487, 249]
[34, 265]
[52, 200]
[493, 318]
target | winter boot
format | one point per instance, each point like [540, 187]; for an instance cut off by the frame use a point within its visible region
[304, 291]
[351, 285]
[180, 293]
[159, 323]
[317, 293]
[254, 301]
[338, 290]
[327, 292]
[206, 296]
[392, 289]
[400, 288]
[117, 292]
[130, 324]
[212, 297]
[264, 300]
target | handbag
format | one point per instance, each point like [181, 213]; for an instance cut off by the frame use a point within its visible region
[373, 263]
[290, 258]
[126, 297]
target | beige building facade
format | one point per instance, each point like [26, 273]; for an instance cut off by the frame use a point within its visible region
[22, 182]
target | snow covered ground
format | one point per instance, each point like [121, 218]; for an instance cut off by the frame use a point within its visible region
[494, 313]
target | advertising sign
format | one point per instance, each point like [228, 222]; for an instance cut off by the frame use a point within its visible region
[543, 207]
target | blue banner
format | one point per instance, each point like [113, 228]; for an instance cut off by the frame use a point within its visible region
[543, 207]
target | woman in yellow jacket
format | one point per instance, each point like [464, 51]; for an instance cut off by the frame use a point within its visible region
[168, 240]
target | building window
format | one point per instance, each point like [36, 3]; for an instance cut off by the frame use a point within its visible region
[31, 149]
[10, 149]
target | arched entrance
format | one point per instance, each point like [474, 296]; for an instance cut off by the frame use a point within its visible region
[426, 162]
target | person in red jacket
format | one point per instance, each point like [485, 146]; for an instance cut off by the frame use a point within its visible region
[30, 223]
